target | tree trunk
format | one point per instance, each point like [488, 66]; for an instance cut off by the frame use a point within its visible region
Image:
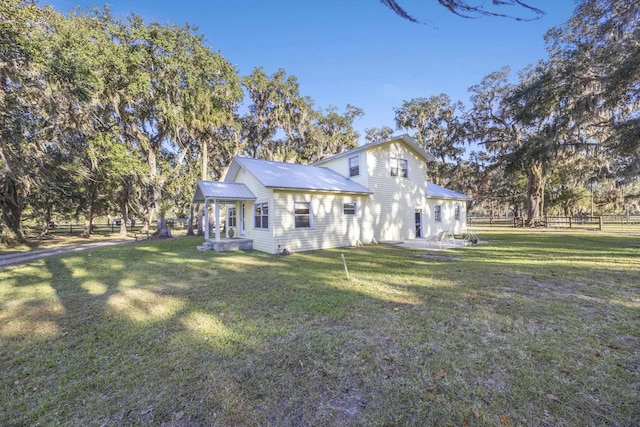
[11, 204]
[163, 230]
[124, 207]
[535, 187]
[46, 221]
[86, 232]
[201, 220]
[190, 222]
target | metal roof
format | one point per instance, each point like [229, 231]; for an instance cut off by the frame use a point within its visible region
[437, 192]
[410, 142]
[289, 176]
[222, 191]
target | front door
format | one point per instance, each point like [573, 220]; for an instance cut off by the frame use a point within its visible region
[418, 222]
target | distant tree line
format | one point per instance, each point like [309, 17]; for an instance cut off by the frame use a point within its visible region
[104, 114]
[114, 115]
[563, 134]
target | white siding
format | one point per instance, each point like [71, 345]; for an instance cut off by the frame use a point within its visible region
[390, 214]
[447, 211]
[330, 228]
[262, 239]
[341, 166]
[387, 214]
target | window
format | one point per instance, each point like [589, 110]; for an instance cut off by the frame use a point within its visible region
[262, 215]
[231, 216]
[437, 213]
[349, 208]
[399, 167]
[302, 214]
[457, 213]
[354, 166]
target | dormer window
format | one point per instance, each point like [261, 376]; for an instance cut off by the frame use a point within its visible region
[354, 166]
[399, 167]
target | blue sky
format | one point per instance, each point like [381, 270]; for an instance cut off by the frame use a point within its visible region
[357, 51]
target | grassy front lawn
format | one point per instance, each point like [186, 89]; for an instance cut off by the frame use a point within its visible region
[529, 329]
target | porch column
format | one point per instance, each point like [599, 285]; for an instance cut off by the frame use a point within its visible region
[205, 219]
[217, 211]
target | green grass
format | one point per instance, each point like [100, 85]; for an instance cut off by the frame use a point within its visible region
[528, 329]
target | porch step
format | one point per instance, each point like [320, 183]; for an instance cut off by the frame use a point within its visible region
[226, 245]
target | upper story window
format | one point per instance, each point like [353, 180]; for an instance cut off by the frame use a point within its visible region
[261, 218]
[354, 166]
[399, 167]
[437, 213]
[457, 213]
[349, 208]
[302, 214]
[231, 216]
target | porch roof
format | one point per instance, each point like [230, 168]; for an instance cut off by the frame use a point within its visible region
[291, 176]
[437, 192]
[221, 191]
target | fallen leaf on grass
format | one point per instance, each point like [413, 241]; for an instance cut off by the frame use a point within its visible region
[475, 413]
[568, 368]
[613, 347]
[553, 397]
[594, 352]
[440, 373]
[504, 420]
[432, 389]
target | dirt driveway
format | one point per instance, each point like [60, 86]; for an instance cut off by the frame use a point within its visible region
[25, 256]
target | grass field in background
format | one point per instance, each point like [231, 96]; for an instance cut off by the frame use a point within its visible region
[527, 328]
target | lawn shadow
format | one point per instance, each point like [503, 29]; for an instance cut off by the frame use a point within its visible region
[162, 333]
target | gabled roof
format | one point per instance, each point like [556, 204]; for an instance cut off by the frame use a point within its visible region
[221, 191]
[412, 143]
[289, 176]
[437, 192]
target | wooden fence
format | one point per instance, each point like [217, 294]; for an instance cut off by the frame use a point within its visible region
[102, 227]
[78, 228]
[618, 223]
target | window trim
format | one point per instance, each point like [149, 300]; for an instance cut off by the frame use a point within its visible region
[296, 215]
[260, 205]
[397, 171]
[355, 208]
[437, 213]
[357, 158]
[232, 216]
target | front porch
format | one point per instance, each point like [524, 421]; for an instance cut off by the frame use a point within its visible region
[221, 193]
[227, 244]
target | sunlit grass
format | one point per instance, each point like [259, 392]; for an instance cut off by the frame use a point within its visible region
[525, 329]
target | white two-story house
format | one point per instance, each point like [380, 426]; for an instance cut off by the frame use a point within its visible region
[376, 192]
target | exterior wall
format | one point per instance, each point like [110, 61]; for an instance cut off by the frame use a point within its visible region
[262, 238]
[448, 221]
[330, 227]
[341, 166]
[387, 214]
[390, 214]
